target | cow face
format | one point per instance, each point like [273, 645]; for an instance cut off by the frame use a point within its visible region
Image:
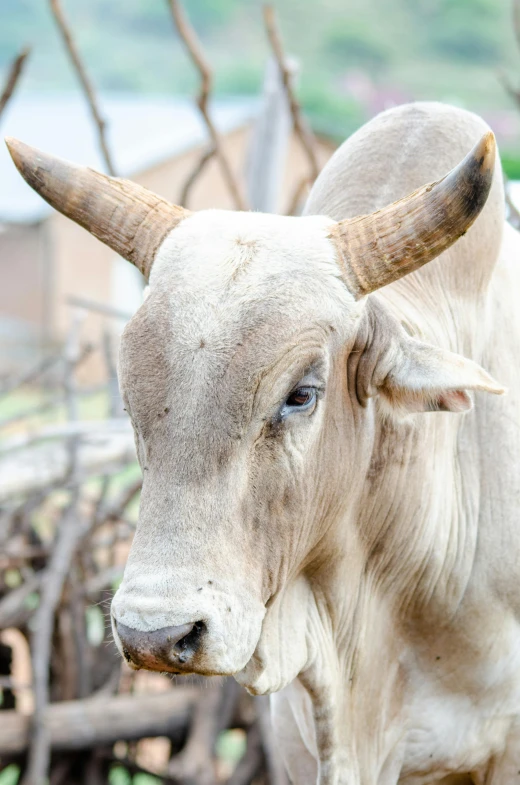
[230, 371]
[254, 437]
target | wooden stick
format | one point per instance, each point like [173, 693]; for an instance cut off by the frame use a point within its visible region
[85, 83]
[68, 535]
[83, 724]
[301, 128]
[250, 764]
[27, 377]
[86, 428]
[103, 308]
[13, 76]
[195, 764]
[195, 174]
[194, 49]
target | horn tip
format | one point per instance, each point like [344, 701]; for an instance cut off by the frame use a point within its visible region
[17, 150]
[485, 152]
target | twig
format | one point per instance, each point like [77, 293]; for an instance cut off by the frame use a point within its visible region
[69, 533]
[103, 308]
[33, 411]
[13, 76]
[85, 82]
[31, 375]
[301, 128]
[194, 49]
[102, 581]
[101, 721]
[195, 174]
[117, 508]
[87, 428]
[195, 764]
[77, 607]
[13, 607]
[250, 764]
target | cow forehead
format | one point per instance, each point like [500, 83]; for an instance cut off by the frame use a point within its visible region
[230, 294]
[213, 248]
[221, 277]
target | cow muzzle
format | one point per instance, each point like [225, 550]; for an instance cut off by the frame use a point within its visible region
[168, 649]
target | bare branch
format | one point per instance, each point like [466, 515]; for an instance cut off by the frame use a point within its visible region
[250, 764]
[194, 49]
[32, 374]
[301, 128]
[195, 764]
[85, 82]
[82, 724]
[69, 533]
[193, 177]
[13, 76]
[14, 611]
[92, 428]
[102, 308]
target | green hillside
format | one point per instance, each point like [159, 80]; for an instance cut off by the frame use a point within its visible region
[356, 55]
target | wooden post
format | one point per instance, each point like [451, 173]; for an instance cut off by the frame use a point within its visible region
[270, 141]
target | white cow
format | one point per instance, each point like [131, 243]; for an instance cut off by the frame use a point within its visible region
[323, 513]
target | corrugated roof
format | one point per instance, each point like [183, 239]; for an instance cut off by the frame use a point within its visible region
[142, 132]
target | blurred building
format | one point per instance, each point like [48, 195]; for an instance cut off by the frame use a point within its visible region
[45, 259]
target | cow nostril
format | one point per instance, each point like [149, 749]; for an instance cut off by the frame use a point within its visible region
[188, 645]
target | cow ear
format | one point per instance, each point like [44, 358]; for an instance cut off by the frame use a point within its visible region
[424, 378]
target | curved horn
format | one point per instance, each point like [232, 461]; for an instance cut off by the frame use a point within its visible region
[127, 217]
[379, 248]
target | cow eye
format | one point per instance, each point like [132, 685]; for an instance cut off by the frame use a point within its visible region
[303, 399]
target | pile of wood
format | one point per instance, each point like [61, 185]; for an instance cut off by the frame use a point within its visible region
[70, 709]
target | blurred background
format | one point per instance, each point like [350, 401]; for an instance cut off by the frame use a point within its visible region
[213, 103]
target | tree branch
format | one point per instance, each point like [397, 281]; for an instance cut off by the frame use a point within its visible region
[194, 49]
[85, 82]
[301, 128]
[13, 76]
[195, 174]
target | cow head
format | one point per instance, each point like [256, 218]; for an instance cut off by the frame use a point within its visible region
[247, 374]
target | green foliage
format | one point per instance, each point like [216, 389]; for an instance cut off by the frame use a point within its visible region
[330, 112]
[95, 624]
[119, 776]
[464, 30]
[10, 775]
[231, 745]
[511, 165]
[356, 44]
[145, 779]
